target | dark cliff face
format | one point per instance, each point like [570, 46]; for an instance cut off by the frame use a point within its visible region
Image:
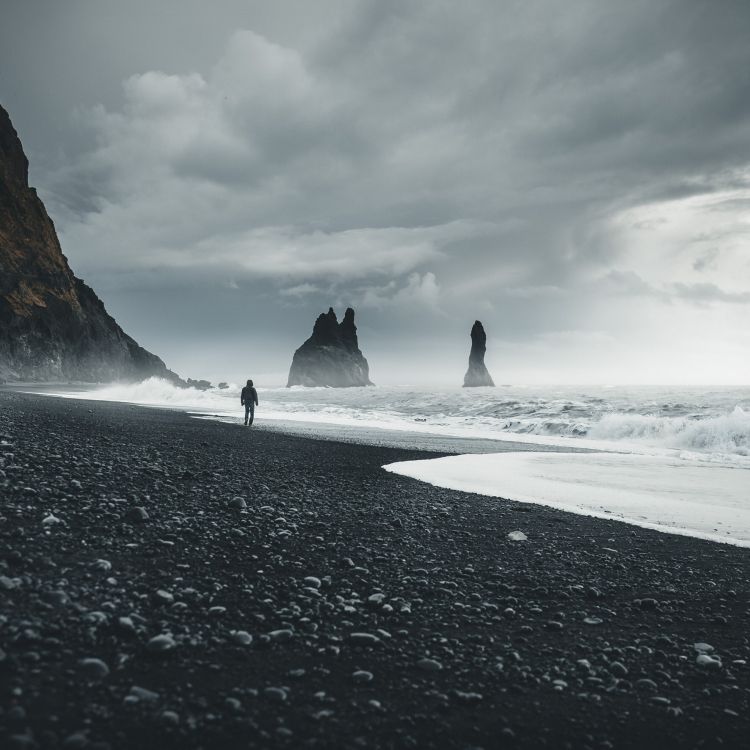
[331, 356]
[52, 325]
[477, 375]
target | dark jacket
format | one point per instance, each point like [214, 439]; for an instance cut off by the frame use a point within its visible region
[248, 395]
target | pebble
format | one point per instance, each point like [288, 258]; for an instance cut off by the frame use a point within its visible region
[429, 665]
[163, 597]
[312, 582]
[275, 694]
[170, 717]
[161, 643]
[618, 669]
[703, 648]
[464, 697]
[136, 514]
[238, 503]
[94, 669]
[142, 694]
[517, 536]
[362, 676]
[51, 520]
[646, 684]
[126, 624]
[241, 637]
[708, 662]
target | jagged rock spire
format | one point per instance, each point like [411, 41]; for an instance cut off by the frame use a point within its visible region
[477, 374]
[331, 356]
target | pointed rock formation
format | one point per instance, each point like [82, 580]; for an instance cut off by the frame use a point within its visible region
[331, 356]
[477, 374]
[52, 325]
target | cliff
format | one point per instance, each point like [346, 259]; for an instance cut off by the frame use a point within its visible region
[477, 374]
[331, 356]
[52, 325]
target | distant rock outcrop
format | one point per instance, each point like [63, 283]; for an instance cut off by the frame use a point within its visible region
[477, 374]
[331, 356]
[52, 325]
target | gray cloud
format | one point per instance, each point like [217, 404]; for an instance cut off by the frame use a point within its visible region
[427, 163]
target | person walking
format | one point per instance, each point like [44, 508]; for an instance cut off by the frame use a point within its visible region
[249, 399]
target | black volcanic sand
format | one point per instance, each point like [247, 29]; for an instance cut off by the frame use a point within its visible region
[472, 640]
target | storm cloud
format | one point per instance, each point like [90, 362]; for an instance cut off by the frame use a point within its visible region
[577, 176]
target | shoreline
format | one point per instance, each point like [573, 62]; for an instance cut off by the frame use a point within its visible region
[681, 520]
[583, 634]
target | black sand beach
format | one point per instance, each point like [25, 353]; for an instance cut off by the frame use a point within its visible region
[288, 592]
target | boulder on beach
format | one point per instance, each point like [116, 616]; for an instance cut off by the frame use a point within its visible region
[331, 356]
[52, 325]
[477, 374]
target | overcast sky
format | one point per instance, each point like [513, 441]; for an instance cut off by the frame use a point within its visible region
[576, 175]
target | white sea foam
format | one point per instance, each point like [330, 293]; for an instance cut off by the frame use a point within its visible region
[667, 494]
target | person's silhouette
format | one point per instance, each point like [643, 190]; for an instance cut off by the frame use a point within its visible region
[249, 399]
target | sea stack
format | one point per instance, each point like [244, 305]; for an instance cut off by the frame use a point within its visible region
[52, 325]
[331, 356]
[477, 374]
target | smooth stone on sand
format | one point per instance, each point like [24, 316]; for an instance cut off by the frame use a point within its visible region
[517, 536]
[161, 643]
[618, 669]
[362, 676]
[708, 662]
[94, 669]
[51, 520]
[313, 582]
[645, 684]
[703, 648]
[163, 597]
[142, 694]
[429, 665]
[275, 694]
[136, 514]
[241, 637]
[238, 503]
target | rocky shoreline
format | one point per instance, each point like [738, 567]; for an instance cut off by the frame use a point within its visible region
[167, 582]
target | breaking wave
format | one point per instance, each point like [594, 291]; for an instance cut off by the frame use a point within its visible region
[726, 433]
[710, 422]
